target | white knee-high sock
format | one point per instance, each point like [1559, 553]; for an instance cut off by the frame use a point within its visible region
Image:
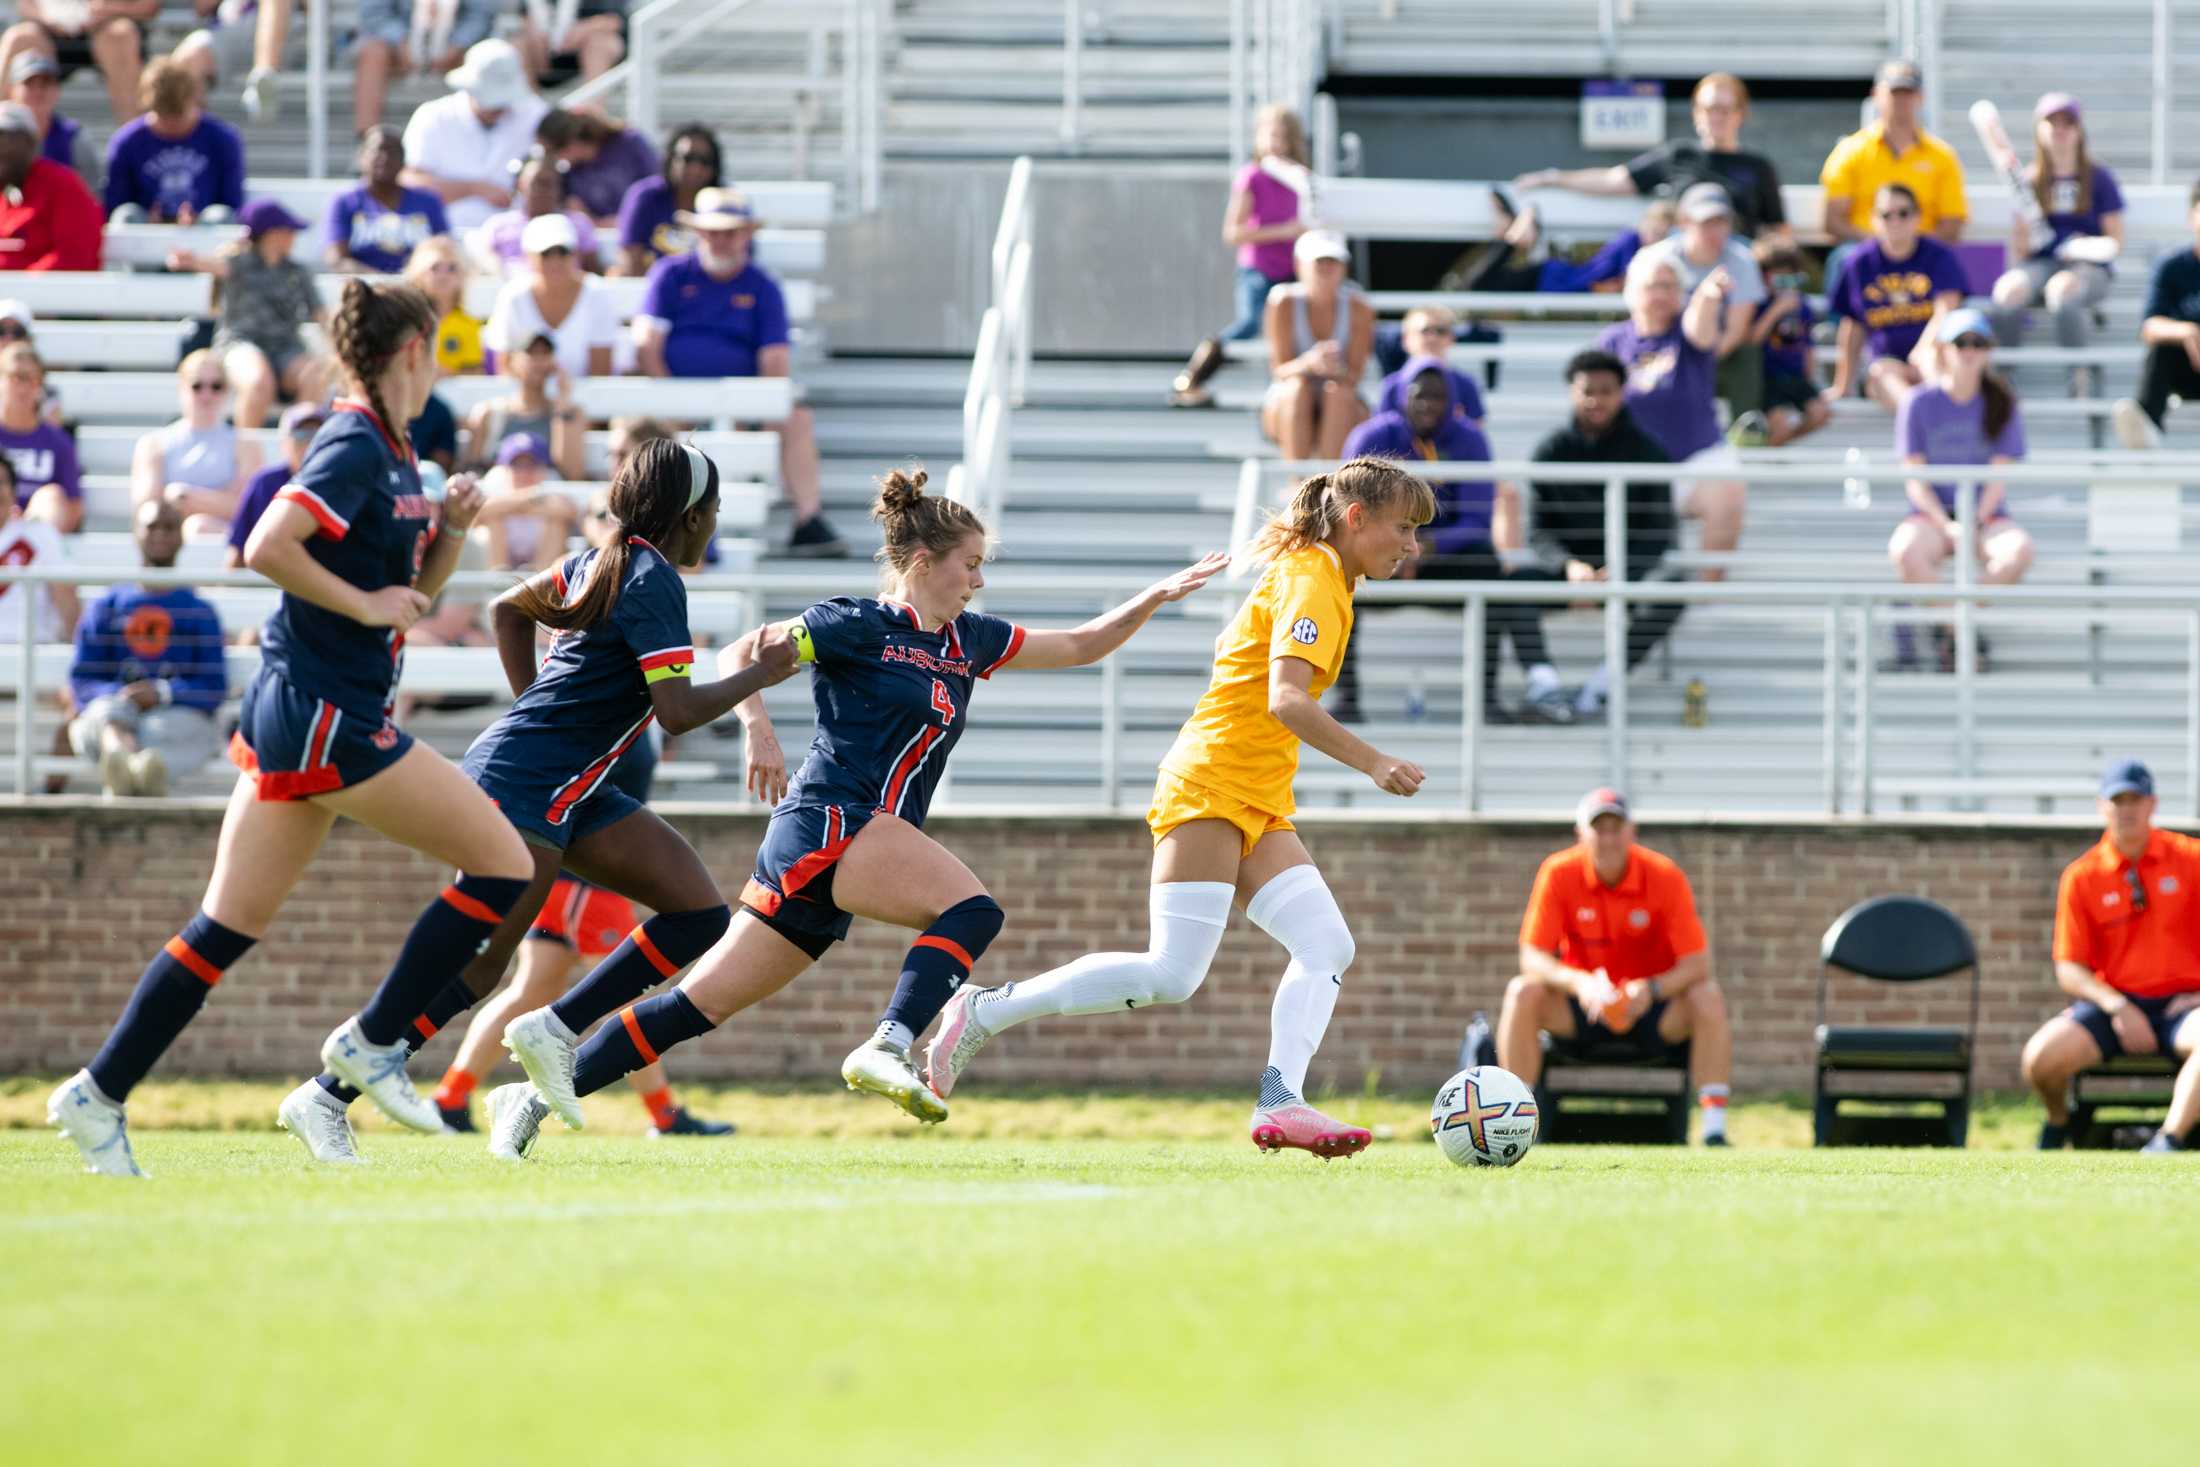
[1297, 910]
[1187, 917]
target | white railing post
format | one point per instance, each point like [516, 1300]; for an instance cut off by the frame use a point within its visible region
[26, 683]
[641, 91]
[1323, 129]
[1615, 633]
[1829, 751]
[317, 88]
[1966, 618]
[1864, 670]
[1111, 730]
[1241, 73]
[2162, 89]
[1470, 705]
[1928, 45]
[2192, 714]
[1245, 518]
[1073, 76]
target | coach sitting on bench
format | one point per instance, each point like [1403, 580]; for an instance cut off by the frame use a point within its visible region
[2127, 950]
[1610, 948]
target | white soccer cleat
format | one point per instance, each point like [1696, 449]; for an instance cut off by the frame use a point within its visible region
[515, 1119]
[957, 1043]
[882, 1069]
[95, 1124]
[321, 1121]
[377, 1071]
[547, 1056]
[2134, 429]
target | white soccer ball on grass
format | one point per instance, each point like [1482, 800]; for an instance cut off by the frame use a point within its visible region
[1484, 1117]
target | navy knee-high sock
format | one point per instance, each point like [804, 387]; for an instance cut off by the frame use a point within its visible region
[941, 959]
[171, 992]
[454, 1000]
[448, 936]
[640, 1033]
[652, 953]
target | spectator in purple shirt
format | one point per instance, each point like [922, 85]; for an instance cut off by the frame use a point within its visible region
[1965, 414]
[1430, 331]
[372, 229]
[1475, 521]
[602, 160]
[48, 484]
[301, 420]
[2084, 209]
[1889, 289]
[1794, 404]
[1517, 260]
[34, 79]
[177, 163]
[1671, 394]
[1261, 222]
[649, 227]
[715, 313]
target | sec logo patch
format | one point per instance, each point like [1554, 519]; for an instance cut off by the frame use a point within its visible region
[1304, 632]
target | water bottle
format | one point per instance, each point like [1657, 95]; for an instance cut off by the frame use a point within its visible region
[1695, 704]
[1856, 490]
[1416, 699]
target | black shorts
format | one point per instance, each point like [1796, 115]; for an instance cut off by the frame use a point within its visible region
[74, 53]
[1642, 1042]
[2094, 1019]
[566, 65]
[1797, 393]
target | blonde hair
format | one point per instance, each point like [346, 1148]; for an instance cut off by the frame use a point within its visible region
[189, 366]
[1316, 509]
[1423, 318]
[168, 88]
[435, 248]
[1294, 131]
[918, 523]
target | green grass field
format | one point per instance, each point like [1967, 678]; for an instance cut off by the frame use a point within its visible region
[1083, 1280]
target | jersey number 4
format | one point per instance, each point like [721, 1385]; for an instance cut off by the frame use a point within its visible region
[942, 704]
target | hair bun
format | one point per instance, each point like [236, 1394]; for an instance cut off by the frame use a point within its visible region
[898, 493]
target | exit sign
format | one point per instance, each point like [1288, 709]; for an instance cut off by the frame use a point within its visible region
[1622, 114]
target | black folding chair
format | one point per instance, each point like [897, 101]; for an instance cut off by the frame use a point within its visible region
[2137, 1085]
[1894, 939]
[1600, 1090]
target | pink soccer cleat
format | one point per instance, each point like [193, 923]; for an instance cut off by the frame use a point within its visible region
[960, 1038]
[1301, 1126]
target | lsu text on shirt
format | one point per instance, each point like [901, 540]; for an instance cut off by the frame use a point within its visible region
[2149, 952]
[1637, 929]
[891, 698]
[1302, 607]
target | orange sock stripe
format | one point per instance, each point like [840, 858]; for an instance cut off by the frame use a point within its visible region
[949, 946]
[659, 1104]
[657, 959]
[457, 1084]
[424, 1029]
[634, 1032]
[195, 965]
[1712, 1102]
[468, 907]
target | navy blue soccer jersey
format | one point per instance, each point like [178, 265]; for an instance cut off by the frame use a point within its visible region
[589, 703]
[363, 489]
[891, 699]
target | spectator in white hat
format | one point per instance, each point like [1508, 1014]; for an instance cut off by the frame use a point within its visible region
[463, 146]
[553, 296]
[1320, 331]
[714, 312]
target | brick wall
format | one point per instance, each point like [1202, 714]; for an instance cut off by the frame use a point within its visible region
[87, 893]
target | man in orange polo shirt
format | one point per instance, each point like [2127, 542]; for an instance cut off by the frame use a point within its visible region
[2127, 951]
[1611, 946]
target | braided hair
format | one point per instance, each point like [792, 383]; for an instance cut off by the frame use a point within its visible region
[654, 491]
[372, 323]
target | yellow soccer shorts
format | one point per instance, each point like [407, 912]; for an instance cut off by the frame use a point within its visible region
[1178, 801]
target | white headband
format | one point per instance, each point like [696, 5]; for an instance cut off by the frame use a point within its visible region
[698, 473]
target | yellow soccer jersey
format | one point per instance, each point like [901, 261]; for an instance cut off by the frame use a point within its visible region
[1301, 608]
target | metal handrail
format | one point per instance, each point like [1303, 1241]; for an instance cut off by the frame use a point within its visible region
[1000, 366]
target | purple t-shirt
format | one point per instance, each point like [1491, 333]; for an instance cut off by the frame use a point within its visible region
[1669, 386]
[259, 492]
[60, 143]
[713, 328]
[2063, 216]
[600, 185]
[1466, 398]
[645, 219]
[1788, 344]
[1463, 507]
[1931, 423]
[1894, 298]
[1274, 202]
[43, 456]
[202, 168]
[379, 237]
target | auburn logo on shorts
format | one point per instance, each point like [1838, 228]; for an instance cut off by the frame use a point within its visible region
[1305, 632]
[385, 737]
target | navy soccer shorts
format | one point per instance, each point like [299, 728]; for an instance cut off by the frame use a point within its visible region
[792, 890]
[296, 746]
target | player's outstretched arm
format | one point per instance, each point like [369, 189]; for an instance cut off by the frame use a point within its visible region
[683, 705]
[1292, 702]
[1082, 645]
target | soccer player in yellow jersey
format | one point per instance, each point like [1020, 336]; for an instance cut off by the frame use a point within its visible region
[1221, 813]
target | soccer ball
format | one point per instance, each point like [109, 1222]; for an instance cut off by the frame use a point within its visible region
[1484, 1117]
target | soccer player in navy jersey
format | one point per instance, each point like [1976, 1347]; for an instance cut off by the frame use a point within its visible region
[358, 551]
[620, 661]
[893, 679]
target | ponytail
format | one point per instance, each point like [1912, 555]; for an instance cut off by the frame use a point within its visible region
[657, 487]
[1315, 512]
[2001, 404]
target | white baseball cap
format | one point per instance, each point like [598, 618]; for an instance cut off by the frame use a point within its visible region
[14, 310]
[549, 232]
[492, 74]
[1321, 244]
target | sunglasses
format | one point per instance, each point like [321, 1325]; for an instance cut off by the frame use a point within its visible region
[13, 331]
[1897, 214]
[1972, 343]
[1788, 282]
[2137, 888]
[210, 387]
